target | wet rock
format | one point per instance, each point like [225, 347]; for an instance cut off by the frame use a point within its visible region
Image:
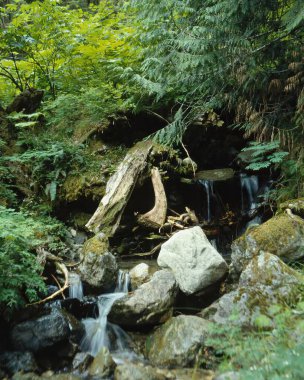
[194, 261]
[46, 331]
[215, 174]
[282, 235]
[82, 361]
[15, 361]
[150, 304]
[103, 364]
[98, 268]
[87, 307]
[139, 275]
[32, 376]
[266, 281]
[178, 341]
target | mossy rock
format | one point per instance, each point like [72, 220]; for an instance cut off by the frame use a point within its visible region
[86, 185]
[295, 205]
[266, 282]
[215, 174]
[282, 235]
[99, 244]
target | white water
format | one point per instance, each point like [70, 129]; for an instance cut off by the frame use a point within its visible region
[249, 186]
[208, 185]
[75, 286]
[99, 332]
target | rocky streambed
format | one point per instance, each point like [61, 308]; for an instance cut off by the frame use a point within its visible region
[136, 327]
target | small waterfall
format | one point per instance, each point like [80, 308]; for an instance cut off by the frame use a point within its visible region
[251, 186]
[208, 185]
[99, 332]
[123, 282]
[75, 288]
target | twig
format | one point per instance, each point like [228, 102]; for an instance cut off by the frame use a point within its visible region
[191, 161]
[65, 272]
[58, 283]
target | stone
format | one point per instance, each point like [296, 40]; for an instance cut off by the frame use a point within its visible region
[149, 304]
[82, 361]
[178, 341]
[140, 371]
[16, 361]
[44, 376]
[103, 365]
[46, 331]
[196, 264]
[282, 235]
[215, 174]
[265, 282]
[139, 274]
[98, 268]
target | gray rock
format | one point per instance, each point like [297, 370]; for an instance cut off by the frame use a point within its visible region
[282, 235]
[98, 268]
[140, 371]
[58, 326]
[178, 341]
[48, 375]
[194, 261]
[16, 361]
[150, 304]
[215, 174]
[139, 274]
[266, 281]
[103, 364]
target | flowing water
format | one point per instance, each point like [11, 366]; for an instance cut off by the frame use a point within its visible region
[208, 185]
[100, 333]
[249, 187]
[75, 288]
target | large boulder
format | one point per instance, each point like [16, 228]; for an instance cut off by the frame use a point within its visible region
[282, 235]
[194, 261]
[150, 304]
[98, 268]
[265, 282]
[178, 341]
[46, 331]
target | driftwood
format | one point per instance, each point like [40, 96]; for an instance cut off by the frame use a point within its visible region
[180, 221]
[119, 189]
[63, 269]
[156, 217]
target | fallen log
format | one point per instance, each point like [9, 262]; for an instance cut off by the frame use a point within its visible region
[119, 190]
[156, 217]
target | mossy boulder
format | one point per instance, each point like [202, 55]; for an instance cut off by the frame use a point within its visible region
[282, 235]
[98, 266]
[178, 341]
[103, 365]
[266, 281]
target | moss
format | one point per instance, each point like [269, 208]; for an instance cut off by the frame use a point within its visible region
[275, 233]
[98, 244]
[295, 205]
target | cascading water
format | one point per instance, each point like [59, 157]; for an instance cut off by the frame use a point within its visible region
[208, 185]
[251, 186]
[75, 288]
[99, 332]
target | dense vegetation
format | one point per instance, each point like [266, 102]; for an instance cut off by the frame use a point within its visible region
[240, 61]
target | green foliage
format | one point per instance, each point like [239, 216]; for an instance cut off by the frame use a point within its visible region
[274, 350]
[48, 162]
[262, 155]
[20, 273]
